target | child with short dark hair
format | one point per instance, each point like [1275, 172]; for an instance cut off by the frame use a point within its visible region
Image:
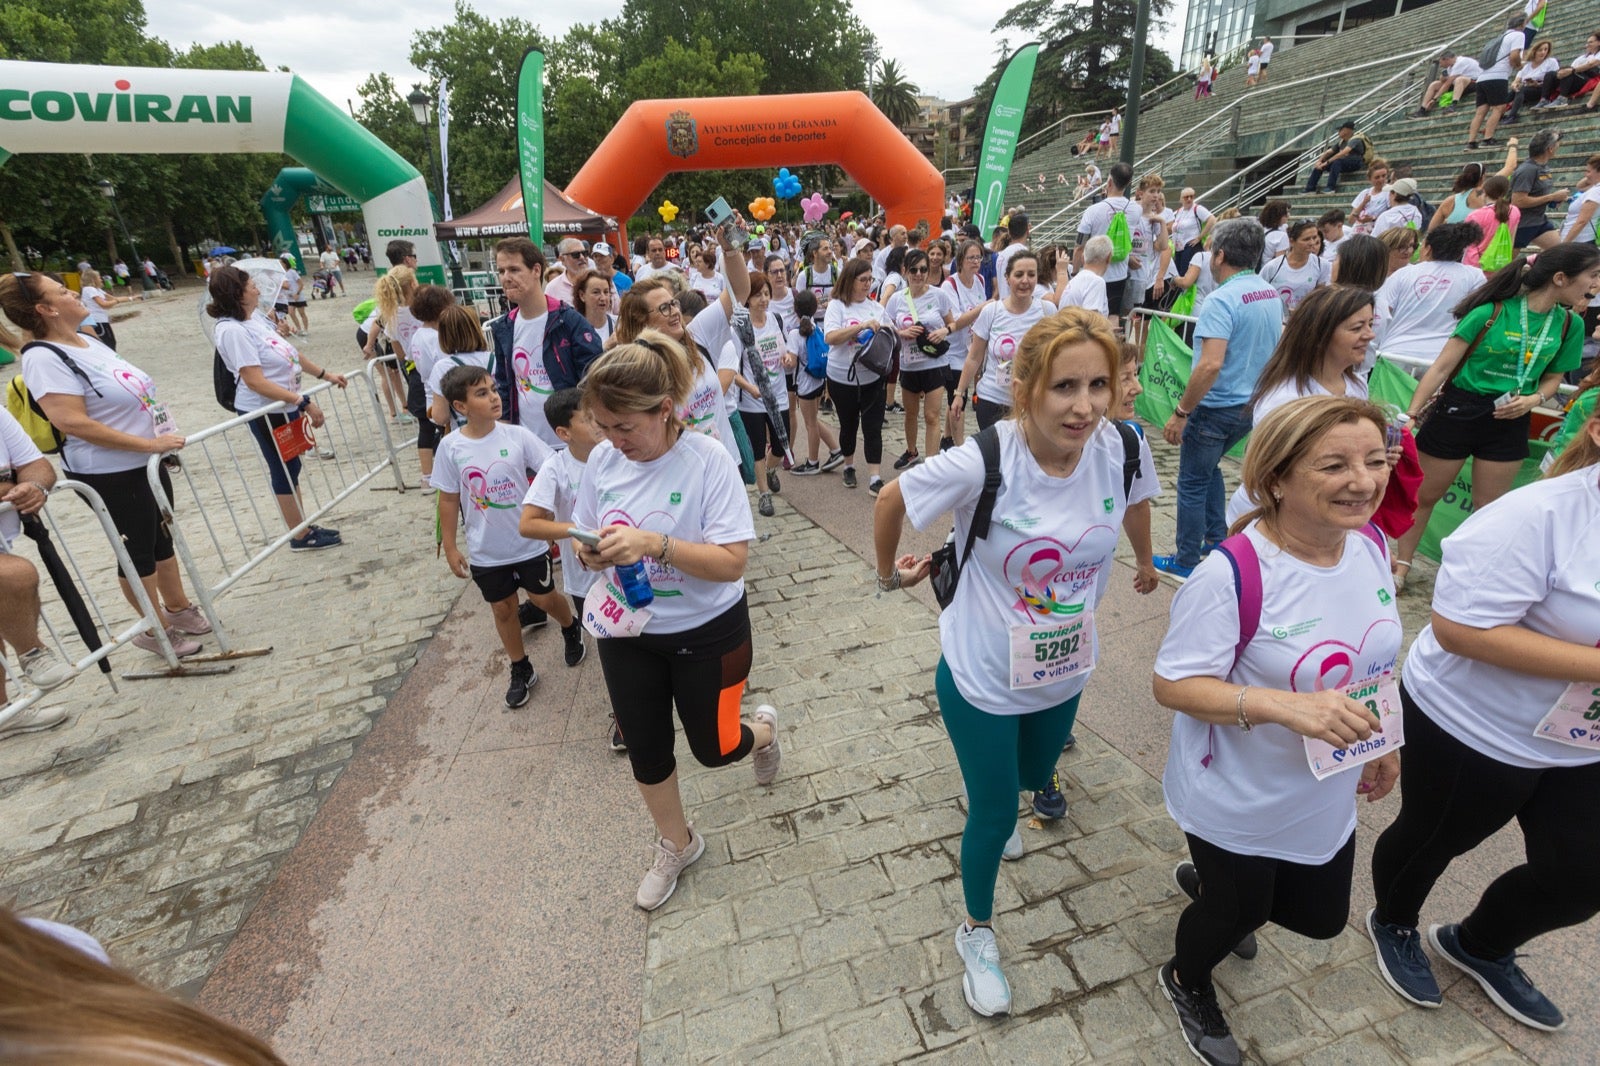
[491, 463]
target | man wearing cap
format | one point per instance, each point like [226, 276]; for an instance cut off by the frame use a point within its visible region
[1459, 74]
[605, 264]
[1347, 153]
[574, 262]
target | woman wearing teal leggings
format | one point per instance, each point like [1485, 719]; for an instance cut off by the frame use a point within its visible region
[1018, 639]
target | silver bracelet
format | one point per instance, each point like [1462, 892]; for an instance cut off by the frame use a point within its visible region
[1244, 719]
[890, 583]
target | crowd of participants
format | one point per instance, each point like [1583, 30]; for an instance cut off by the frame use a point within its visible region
[631, 400]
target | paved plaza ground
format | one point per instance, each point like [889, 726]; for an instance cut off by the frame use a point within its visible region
[350, 846]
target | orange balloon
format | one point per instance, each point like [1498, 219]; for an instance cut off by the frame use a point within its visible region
[763, 208]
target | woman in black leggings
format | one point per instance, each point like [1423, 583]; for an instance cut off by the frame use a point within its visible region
[674, 501]
[857, 392]
[1502, 721]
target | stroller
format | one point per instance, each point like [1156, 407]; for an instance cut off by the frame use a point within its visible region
[322, 286]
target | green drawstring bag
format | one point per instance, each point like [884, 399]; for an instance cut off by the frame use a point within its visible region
[1499, 250]
[1184, 304]
[1447, 98]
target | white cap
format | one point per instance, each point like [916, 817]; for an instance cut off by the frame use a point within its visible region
[601, 249]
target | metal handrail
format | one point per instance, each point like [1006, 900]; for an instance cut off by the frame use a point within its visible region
[1387, 105]
[1103, 111]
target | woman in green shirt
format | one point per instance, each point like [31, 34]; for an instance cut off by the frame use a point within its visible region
[1515, 336]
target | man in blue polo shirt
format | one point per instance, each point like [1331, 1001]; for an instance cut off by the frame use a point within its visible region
[1237, 331]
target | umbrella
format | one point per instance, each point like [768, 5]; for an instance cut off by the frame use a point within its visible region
[847, 214]
[756, 371]
[268, 274]
[222, 250]
[61, 577]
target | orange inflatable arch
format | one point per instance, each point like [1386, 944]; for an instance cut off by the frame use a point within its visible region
[655, 138]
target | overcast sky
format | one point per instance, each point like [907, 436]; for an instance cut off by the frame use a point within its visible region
[335, 46]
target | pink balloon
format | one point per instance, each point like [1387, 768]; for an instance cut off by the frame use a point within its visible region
[814, 207]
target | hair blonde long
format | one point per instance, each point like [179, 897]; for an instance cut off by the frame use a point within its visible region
[1581, 450]
[637, 376]
[1285, 437]
[393, 292]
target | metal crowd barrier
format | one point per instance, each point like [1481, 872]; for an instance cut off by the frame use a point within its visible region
[221, 486]
[85, 628]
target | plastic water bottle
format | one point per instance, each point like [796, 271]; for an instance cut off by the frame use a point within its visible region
[864, 337]
[1394, 433]
[635, 585]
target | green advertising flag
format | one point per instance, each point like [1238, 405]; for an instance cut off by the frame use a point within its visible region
[530, 140]
[1167, 363]
[999, 146]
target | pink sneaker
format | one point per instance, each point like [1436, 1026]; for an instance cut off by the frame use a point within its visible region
[180, 643]
[191, 621]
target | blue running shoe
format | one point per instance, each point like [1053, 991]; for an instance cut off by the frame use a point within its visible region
[1168, 564]
[1501, 979]
[1048, 802]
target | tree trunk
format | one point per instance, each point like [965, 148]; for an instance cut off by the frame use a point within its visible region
[177, 249]
[111, 244]
[17, 263]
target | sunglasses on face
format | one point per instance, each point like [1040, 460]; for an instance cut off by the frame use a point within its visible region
[916, 271]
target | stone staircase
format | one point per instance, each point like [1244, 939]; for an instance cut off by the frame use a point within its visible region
[1203, 142]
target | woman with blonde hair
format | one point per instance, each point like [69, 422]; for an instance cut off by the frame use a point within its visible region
[391, 314]
[1264, 699]
[691, 648]
[62, 1002]
[1017, 637]
[98, 303]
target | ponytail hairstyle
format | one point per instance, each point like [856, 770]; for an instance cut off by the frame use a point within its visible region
[392, 292]
[1498, 189]
[805, 309]
[640, 376]
[1581, 451]
[1470, 177]
[1526, 273]
[19, 299]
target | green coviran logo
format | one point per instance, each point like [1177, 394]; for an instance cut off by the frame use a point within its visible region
[53, 105]
[1107, 504]
[676, 497]
[1384, 597]
[405, 231]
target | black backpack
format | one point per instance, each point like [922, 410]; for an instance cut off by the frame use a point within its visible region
[945, 572]
[1491, 51]
[223, 383]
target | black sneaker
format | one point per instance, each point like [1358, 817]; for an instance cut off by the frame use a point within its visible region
[1205, 1030]
[1070, 743]
[826, 407]
[907, 457]
[946, 443]
[572, 637]
[1501, 979]
[1188, 881]
[522, 680]
[772, 480]
[875, 486]
[1048, 802]
[849, 477]
[1401, 963]
[809, 468]
[894, 409]
[531, 616]
[617, 743]
[832, 461]
[764, 505]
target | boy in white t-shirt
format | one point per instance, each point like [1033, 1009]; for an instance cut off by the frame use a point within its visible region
[491, 463]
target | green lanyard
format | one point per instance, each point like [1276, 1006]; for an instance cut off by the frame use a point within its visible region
[1524, 368]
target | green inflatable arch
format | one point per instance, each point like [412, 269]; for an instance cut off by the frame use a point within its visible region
[61, 107]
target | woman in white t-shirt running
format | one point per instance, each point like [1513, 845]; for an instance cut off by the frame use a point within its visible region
[1018, 641]
[659, 494]
[1499, 701]
[1272, 661]
[113, 419]
[996, 337]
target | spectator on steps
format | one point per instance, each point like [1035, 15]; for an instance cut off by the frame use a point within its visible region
[1569, 81]
[1457, 75]
[1494, 85]
[1266, 50]
[1274, 218]
[1401, 211]
[1348, 152]
[1532, 192]
[1535, 83]
[1371, 201]
[1252, 69]
[1497, 210]
[1466, 194]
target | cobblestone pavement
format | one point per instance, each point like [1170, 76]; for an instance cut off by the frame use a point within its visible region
[155, 816]
[818, 925]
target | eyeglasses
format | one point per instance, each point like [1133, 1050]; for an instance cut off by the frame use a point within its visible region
[574, 255]
[916, 271]
[666, 307]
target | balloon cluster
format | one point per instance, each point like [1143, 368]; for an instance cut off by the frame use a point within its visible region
[786, 186]
[763, 208]
[668, 210]
[814, 207]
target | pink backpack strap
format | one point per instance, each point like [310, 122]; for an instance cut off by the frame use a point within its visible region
[1374, 534]
[1241, 555]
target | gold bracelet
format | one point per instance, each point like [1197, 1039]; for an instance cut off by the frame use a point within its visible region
[664, 556]
[1244, 719]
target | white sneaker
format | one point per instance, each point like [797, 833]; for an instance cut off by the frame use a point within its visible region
[44, 669]
[33, 720]
[1013, 848]
[985, 987]
[767, 759]
[662, 880]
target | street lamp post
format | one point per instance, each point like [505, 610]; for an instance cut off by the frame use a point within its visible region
[870, 53]
[420, 104]
[109, 191]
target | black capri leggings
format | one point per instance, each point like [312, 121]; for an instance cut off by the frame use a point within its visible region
[1452, 799]
[1241, 893]
[989, 413]
[136, 514]
[859, 405]
[756, 427]
[701, 670]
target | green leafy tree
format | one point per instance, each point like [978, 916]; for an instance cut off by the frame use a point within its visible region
[895, 96]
